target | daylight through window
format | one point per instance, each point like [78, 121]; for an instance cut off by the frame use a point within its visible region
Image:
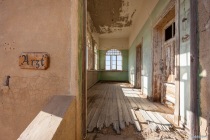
[113, 60]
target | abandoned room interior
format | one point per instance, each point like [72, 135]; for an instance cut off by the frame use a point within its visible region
[104, 69]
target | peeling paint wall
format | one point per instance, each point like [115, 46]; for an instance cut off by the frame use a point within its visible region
[147, 45]
[204, 60]
[112, 17]
[35, 26]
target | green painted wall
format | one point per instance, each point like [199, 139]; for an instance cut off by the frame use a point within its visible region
[113, 75]
[184, 61]
[146, 34]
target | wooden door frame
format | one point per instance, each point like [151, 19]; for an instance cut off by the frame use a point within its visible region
[169, 7]
[84, 72]
[136, 79]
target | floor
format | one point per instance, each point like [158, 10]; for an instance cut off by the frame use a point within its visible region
[119, 111]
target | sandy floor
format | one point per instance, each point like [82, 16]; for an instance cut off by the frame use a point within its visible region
[129, 133]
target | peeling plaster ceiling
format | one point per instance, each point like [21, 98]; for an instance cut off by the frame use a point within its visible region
[115, 18]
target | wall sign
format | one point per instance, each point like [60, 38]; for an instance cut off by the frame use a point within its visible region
[34, 60]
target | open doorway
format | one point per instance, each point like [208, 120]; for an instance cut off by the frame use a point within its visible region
[165, 52]
[138, 66]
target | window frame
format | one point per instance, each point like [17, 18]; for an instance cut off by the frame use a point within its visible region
[171, 22]
[110, 55]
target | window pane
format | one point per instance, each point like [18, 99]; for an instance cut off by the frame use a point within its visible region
[119, 63]
[119, 67]
[168, 33]
[114, 67]
[114, 62]
[119, 57]
[107, 67]
[114, 58]
[108, 57]
[108, 63]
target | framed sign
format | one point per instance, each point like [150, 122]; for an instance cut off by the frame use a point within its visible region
[34, 60]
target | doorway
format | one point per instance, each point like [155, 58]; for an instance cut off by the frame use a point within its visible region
[138, 66]
[164, 56]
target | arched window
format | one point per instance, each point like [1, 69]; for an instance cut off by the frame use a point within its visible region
[113, 60]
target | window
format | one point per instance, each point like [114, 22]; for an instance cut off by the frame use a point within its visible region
[113, 60]
[170, 32]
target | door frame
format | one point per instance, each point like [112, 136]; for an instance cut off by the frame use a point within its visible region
[173, 4]
[138, 57]
[84, 71]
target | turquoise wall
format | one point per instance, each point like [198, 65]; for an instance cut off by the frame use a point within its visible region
[113, 75]
[184, 62]
[146, 34]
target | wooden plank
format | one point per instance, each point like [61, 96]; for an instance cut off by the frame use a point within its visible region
[94, 120]
[136, 123]
[115, 117]
[144, 114]
[156, 121]
[108, 115]
[126, 115]
[92, 109]
[128, 105]
[152, 126]
[136, 100]
[102, 116]
[120, 109]
[163, 120]
[91, 98]
[93, 101]
[131, 100]
[149, 105]
[164, 109]
[140, 117]
[116, 127]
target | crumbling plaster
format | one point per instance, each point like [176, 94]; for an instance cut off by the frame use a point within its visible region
[120, 18]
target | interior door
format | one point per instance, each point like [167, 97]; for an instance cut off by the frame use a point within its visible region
[168, 76]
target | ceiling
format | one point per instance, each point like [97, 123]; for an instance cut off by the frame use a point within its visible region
[116, 18]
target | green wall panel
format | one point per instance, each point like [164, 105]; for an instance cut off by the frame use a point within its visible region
[113, 75]
[146, 34]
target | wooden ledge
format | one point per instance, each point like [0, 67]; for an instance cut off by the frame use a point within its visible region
[52, 121]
